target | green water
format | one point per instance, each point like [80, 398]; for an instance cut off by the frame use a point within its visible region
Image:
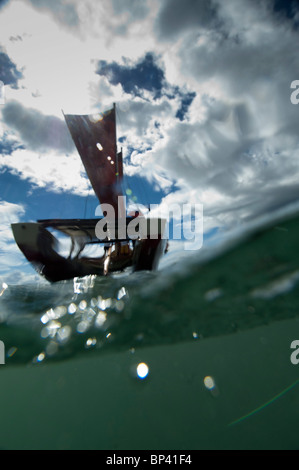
[70, 381]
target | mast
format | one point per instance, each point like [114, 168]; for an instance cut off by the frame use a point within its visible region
[116, 158]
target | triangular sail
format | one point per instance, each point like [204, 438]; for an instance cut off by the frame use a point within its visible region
[95, 139]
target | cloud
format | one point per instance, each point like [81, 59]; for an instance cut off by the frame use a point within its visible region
[238, 152]
[63, 12]
[176, 17]
[41, 151]
[52, 171]
[10, 256]
[35, 130]
[9, 74]
[134, 10]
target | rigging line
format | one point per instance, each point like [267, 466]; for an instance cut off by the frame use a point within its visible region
[126, 185]
[86, 201]
[268, 403]
[145, 190]
[119, 119]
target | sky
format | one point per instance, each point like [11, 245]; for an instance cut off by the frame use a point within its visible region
[202, 90]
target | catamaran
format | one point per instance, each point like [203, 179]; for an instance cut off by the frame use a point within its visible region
[129, 242]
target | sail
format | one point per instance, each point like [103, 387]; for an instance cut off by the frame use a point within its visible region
[95, 140]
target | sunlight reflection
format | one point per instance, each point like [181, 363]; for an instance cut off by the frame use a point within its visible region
[83, 285]
[209, 383]
[142, 370]
[83, 326]
[100, 319]
[90, 342]
[41, 357]
[86, 314]
[83, 305]
[211, 386]
[53, 314]
[72, 309]
[4, 287]
[121, 293]
[63, 334]
[51, 329]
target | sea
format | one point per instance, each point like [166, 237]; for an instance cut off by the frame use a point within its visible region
[199, 355]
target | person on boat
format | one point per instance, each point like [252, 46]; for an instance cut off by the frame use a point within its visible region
[107, 256]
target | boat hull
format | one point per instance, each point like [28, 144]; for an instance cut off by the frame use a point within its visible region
[39, 246]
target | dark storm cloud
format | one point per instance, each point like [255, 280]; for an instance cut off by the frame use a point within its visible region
[64, 13]
[145, 75]
[286, 8]
[9, 74]
[36, 130]
[177, 16]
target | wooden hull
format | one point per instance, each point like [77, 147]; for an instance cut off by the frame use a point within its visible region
[39, 247]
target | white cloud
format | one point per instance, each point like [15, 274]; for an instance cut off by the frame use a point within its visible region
[10, 256]
[54, 171]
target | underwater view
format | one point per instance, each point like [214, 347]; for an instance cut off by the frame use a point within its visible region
[194, 356]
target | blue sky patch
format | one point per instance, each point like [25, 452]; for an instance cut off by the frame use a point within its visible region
[187, 99]
[3, 2]
[145, 75]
